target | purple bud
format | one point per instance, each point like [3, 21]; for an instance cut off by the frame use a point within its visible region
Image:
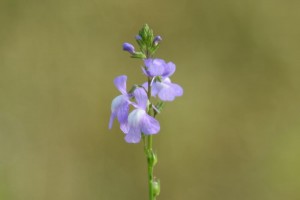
[157, 39]
[128, 47]
[138, 37]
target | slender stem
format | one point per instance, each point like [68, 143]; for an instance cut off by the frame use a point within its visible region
[149, 152]
[150, 172]
[150, 141]
[149, 88]
[144, 143]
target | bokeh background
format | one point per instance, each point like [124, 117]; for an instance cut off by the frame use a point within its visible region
[234, 135]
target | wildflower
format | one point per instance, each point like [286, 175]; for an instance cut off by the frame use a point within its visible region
[139, 121]
[158, 67]
[165, 89]
[154, 67]
[120, 104]
[161, 84]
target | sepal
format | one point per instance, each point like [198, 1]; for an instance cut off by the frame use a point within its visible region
[158, 107]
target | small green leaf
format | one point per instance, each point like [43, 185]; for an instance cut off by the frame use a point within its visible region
[138, 55]
[160, 105]
[154, 48]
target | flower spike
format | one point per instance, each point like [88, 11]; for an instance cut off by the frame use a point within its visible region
[135, 110]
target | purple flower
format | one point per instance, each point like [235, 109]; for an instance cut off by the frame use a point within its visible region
[138, 120]
[128, 47]
[120, 104]
[163, 87]
[157, 40]
[158, 67]
[165, 90]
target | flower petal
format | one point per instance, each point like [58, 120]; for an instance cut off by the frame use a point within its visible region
[166, 93]
[122, 112]
[114, 109]
[155, 67]
[133, 135]
[145, 85]
[178, 91]
[169, 69]
[120, 83]
[149, 125]
[120, 108]
[124, 127]
[111, 120]
[148, 62]
[155, 88]
[141, 98]
[116, 102]
[145, 71]
[135, 117]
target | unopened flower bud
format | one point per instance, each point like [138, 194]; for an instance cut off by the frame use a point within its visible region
[156, 40]
[138, 37]
[128, 47]
[156, 187]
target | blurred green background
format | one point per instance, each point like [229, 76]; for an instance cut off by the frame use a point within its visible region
[234, 135]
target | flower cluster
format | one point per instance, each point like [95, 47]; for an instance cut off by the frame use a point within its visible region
[141, 119]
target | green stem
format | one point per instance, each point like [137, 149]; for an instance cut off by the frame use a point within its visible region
[149, 153]
[150, 168]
